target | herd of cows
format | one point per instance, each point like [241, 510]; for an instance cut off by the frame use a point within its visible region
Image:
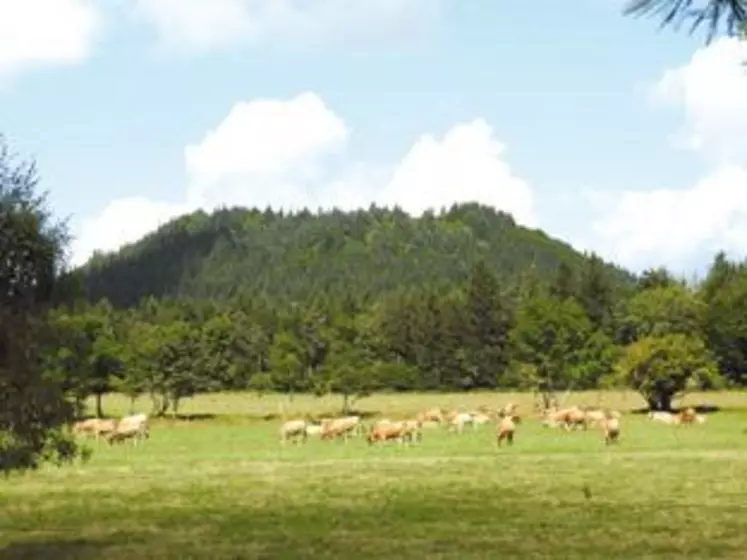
[135, 427]
[506, 420]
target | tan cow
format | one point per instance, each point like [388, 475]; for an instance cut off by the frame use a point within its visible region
[388, 431]
[611, 427]
[293, 430]
[459, 420]
[133, 427]
[95, 426]
[687, 416]
[506, 429]
[431, 415]
[569, 418]
[340, 427]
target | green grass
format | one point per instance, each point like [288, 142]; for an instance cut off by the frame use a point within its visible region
[226, 489]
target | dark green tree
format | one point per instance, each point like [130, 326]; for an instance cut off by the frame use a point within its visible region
[34, 409]
[549, 345]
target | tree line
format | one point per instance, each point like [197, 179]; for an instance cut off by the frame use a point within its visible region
[575, 329]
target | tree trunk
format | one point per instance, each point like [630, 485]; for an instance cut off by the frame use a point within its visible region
[345, 404]
[132, 405]
[156, 403]
[175, 407]
[660, 402]
[99, 407]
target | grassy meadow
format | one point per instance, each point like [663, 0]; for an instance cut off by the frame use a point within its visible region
[219, 485]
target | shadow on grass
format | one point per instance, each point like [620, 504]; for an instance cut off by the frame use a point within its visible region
[700, 409]
[58, 549]
[364, 414]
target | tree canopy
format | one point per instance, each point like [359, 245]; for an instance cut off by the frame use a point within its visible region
[34, 408]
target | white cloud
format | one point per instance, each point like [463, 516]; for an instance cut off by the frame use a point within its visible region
[465, 166]
[712, 91]
[121, 221]
[203, 25]
[264, 141]
[678, 227]
[287, 154]
[35, 32]
[643, 229]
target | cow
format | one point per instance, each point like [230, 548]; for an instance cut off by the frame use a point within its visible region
[96, 426]
[133, 427]
[611, 427]
[340, 427]
[387, 431]
[506, 428]
[293, 430]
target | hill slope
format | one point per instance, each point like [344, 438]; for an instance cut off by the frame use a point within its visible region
[292, 256]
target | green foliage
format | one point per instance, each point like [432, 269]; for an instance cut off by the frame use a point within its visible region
[725, 326]
[578, 325]
[354, 303]
[33, 406]
[300, 257]
[553, 337]
[661, 310]
[662, 367]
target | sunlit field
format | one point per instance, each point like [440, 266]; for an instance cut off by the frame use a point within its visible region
[219, 485]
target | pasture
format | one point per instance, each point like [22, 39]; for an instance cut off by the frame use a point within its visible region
[221, 486]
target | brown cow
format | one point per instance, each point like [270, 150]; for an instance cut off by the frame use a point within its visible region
[387, 431]
[687, 416]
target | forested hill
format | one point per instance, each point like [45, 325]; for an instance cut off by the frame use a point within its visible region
[294, 256]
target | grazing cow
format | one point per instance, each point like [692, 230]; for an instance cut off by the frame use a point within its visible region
[431, 415]
[388, 431]
[413, 427]
[96, 426]
[574, 417]
[293, 430]
[687, 416]
[506, 429]
[568, 418]
[611, 427]
[340, 427]
[460, 420]
[133, 427]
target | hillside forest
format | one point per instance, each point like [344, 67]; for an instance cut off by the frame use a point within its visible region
[357, 302]
[344, 303]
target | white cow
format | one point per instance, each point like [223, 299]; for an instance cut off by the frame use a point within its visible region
[133, 427]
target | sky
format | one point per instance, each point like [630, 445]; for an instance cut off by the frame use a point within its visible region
[600, 129]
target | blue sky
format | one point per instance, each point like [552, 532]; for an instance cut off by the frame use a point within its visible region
[598, 128]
